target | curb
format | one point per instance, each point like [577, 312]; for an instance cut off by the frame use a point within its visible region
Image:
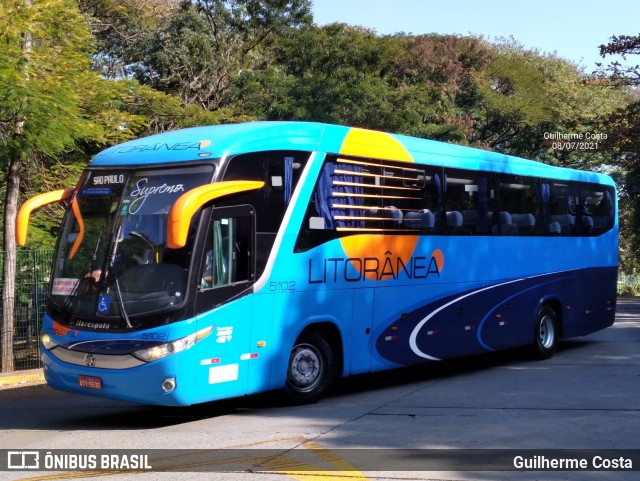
[33, 376]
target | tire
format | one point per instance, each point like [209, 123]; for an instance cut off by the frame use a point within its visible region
[546, 333]
[311, 370]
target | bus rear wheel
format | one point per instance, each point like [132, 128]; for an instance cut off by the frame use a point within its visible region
[311, 369]
[546, 333]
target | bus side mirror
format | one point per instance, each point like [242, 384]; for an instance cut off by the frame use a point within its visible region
[190, 202]
[22, 221]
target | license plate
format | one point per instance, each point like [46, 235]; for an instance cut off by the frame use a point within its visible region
[90, 382]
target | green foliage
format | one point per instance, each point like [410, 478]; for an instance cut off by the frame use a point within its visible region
[196, 50]
[348, 75]
[629, 287]
[526, 94]
[623, 127]
[437, 75]
[56, 111]
[42, 86]
[337, 73]
[99, 73]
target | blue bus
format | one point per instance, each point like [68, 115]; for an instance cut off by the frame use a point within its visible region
[213, 262]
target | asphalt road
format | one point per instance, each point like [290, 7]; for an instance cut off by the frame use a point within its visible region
[585, 398]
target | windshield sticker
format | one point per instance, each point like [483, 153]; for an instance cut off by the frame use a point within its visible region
[108, 179]
[104, 302]
[63, 286]
[124, 210]
[141, 192]
[96, 191]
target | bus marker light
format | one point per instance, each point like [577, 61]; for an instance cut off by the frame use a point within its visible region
[261, 343]
[206, 362]
[202, 333]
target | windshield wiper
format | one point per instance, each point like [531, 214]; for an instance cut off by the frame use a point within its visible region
[120, 301]
[116, 283]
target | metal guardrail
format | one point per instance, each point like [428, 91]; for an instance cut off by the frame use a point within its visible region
[33, 269]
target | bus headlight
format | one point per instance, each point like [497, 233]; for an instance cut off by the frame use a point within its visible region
[47, 342]
[163, 350]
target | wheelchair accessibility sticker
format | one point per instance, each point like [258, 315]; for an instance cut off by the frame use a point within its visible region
[104, 302]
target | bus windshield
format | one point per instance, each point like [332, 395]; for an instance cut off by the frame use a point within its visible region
[112, 261]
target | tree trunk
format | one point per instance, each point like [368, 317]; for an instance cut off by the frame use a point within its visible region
[14, 160]
[8, 293]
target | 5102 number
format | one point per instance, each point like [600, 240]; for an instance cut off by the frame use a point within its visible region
[282, 286]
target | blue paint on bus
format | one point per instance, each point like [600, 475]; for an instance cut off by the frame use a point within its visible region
[424, 252]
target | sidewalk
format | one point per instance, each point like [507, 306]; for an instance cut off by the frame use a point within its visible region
[21, 378]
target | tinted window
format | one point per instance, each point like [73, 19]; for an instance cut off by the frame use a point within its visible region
[518, 206]
[379, 196]
[469, 201]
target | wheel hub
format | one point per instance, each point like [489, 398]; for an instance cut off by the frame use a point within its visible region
[546, 333]
[306, 367]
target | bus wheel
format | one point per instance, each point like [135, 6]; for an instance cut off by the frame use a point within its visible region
[311, 369]
[546, 333]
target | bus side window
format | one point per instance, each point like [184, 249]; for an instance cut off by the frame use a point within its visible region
[468, 206]
[227, 253]
[519, 206]
[562, 208]
[596, 207]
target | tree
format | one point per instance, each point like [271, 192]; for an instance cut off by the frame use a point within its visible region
[335, 74]
[615, 72]
[119, 26]
[525, 96]
[44, 73]
[197, 48]
[437, 73]
[623, 128]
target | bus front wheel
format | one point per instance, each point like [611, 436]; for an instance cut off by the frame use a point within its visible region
[311, 369]
[546, 333]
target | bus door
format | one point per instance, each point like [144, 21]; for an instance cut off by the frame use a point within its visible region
[226, 276]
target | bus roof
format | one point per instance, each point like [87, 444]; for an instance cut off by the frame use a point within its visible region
[200, 143]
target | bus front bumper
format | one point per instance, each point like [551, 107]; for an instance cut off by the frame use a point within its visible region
[154, 383]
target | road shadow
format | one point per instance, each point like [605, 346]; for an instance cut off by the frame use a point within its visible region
[40, 407]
